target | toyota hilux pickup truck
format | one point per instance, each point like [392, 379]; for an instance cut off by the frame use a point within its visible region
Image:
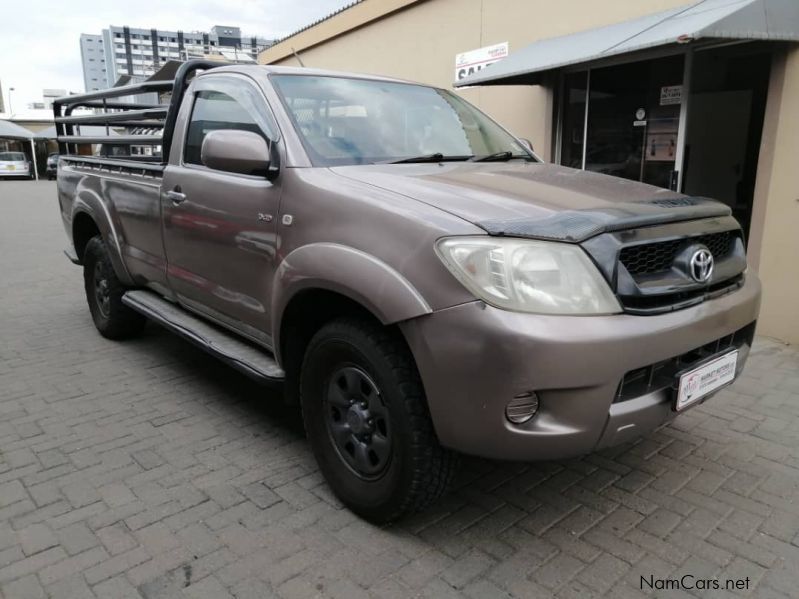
[408, 271]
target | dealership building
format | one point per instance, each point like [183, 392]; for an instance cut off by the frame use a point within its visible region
[699, 97]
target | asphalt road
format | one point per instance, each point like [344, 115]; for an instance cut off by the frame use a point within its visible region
[147, 469]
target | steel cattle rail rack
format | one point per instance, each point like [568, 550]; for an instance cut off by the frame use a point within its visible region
[124, 114]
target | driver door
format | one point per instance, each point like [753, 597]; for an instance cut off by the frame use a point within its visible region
[219, 227]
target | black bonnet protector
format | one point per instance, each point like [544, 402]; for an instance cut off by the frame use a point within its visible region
[575, 226]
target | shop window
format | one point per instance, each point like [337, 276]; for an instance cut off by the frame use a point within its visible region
[632, 120]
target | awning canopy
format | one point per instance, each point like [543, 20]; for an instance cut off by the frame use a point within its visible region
[9, 130]
[772, 20]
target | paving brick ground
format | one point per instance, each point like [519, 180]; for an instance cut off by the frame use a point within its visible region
[146, 469]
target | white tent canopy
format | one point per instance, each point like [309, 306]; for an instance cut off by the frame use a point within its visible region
[772, 20]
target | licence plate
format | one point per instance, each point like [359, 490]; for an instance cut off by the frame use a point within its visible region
[11, 167]
[699, 382]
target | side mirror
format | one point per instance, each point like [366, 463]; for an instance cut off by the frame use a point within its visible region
[527, 143]
[236, 151]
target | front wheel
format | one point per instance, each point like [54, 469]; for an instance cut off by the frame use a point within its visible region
[104, 291]
[367, 421]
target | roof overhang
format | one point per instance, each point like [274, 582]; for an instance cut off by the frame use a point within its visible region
[9, 130]
[771, 20]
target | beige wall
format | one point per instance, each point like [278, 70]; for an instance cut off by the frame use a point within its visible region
[419, 41]
[34, 126]
[778, 259]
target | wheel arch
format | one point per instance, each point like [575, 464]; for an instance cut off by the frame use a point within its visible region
[319, 282]
[90, 217]
[346, 278]
[84, 228]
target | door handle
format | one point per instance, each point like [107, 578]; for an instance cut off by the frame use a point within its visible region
[176, 196]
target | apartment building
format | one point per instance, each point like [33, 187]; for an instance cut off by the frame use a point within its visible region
[92, 56]
[139, 53]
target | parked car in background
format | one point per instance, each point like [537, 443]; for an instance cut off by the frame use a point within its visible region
[52, 165]
[15, 164]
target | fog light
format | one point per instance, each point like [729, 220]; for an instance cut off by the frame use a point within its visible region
[522, 407]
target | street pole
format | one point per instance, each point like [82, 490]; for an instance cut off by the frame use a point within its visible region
[10, 110]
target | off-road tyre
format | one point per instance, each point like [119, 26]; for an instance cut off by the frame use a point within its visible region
[113, 319]
[418, 470]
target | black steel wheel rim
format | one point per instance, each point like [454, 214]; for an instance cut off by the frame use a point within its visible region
[358, 422]
[102, 294]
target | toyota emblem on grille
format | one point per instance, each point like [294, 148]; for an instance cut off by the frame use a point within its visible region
[701, 265]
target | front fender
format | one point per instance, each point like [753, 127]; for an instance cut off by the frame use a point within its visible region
[352, 273]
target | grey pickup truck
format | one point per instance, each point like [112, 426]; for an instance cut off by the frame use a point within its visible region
[406, 269]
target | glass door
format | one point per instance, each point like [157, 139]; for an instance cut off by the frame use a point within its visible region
[729, 89]
[629, 125]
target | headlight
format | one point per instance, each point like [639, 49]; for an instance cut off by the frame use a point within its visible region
[544, 277]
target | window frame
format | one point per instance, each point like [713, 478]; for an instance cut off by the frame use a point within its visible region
[236, 81]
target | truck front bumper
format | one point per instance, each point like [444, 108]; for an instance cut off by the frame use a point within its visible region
[474, 359]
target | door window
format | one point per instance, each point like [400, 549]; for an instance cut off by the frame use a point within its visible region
[225, 105]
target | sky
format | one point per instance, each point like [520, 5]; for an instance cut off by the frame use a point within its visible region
[40, 46]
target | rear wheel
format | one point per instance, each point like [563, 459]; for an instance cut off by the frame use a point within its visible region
[367, 421]
[104, 293]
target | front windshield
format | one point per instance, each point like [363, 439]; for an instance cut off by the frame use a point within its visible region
[12, 157]
[344, 121]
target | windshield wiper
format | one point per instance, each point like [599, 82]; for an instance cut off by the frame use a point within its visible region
[435, 157]
[495, 157]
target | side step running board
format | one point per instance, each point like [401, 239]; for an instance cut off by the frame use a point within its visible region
[246, 358]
